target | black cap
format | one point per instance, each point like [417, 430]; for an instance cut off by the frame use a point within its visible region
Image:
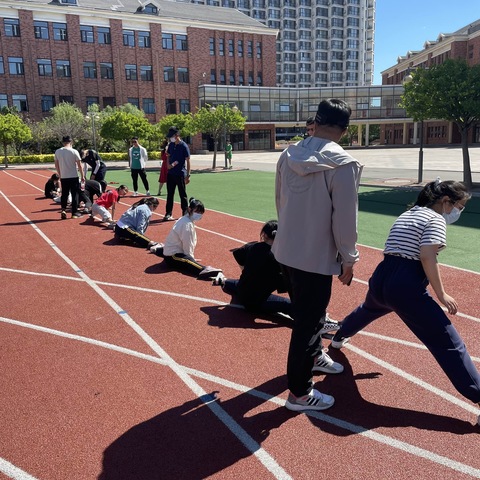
[172, 132]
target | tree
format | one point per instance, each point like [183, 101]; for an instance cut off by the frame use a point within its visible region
[66, 119]
[183, 121]
[122, 125]
[12, 130]
[448, 91]
[218, 122]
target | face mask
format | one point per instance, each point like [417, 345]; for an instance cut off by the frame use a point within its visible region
[173, 139]
[196, 216]
[453, 216]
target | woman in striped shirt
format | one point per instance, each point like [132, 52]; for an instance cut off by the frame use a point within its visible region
[400, 280]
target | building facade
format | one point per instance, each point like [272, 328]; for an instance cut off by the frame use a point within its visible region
[462, 44]
[107, 53]
[321, 43]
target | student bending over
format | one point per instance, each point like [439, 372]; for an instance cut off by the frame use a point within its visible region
[106, 201]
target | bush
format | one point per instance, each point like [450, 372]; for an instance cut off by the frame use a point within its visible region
[50, 158]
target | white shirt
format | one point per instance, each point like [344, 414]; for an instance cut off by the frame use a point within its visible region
[182, 238]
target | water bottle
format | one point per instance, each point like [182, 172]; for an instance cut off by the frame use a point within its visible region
[82, 185]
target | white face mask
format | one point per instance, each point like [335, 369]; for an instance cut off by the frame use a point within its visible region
[196, 216]
[173, 139]
[453, 216]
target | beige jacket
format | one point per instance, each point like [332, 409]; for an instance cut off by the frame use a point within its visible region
[317, 204]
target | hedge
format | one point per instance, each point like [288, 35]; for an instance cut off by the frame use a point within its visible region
[49, 158]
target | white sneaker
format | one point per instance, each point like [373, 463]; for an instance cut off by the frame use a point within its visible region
[147, 194]
[313, 401]
[135, 194]
[328, 325]
[324, 364]
[339, 342]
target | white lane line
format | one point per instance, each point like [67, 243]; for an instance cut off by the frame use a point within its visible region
[357, 429]
[13, 472]
[249, 442]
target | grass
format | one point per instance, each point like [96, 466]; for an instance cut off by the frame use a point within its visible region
[250, 194]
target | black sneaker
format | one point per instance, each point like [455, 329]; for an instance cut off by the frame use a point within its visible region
[63, 215]
[167, 217]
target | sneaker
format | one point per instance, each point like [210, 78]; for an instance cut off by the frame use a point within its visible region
[135, 194]
[76, 215]
[338, 341]
[219, 279]
[328, 325]
[209, 272]
[313, 401]
[63, 215]
[147, 193]
[324, 364]
[167, 217]
[156, 248]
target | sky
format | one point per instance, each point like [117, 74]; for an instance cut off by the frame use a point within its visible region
[406, 25]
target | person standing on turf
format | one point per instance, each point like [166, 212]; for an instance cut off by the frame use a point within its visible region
[178, 172]
[137, 159]
[317, 202]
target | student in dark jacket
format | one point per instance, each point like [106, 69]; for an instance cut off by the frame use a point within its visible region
[92, 159]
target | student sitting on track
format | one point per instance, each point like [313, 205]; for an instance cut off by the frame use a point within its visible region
[179, 247]
[52, 187]
[399, 283]
[261, 276]
[106, 201]
[131, 226]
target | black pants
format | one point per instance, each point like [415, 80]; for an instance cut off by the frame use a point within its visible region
[135, 172]
[310, 295]
[132, 235]
[174, 181]
[100, 177]
[70, 185]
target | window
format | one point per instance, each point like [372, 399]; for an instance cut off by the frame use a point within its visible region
[259, 49]
[250, 78]
[259, 79]
[144, 40]
[146, 73]
[134, 101]
[129, 38]
[104, 37]
[2, 68]
[66, 99]
[20, 103]
[240, 48]
[181, 42]
[106, 70]
[337, 44]
[212, 46]
[12, 27]
[60, 32]
[89, 70]
[167, 41]
[184, 105]
[40, 30]
[231, 78]
[231, 48]
[15, 66]
[241, 78]
[250, 49]
[182, 73]
[213, 76]
[221, 47]
[3, 100]
[148, 105]
[63, 69]
[70, 2]
[48, 102]
[131, 72]
[170, 106]
[92, 101]
[151, 9]
[168, 74]
[223, 80]
[108, 102]
[86, 33]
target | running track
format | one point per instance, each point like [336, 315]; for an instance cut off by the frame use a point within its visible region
[115, 368]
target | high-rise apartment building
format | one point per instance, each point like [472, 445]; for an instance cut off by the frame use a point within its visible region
[321, 43]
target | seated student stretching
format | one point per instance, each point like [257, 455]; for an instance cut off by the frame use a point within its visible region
[106, 201]
[179, 247]
[131, 226]
[52, 187]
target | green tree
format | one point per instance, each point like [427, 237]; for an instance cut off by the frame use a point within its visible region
[66, 119]
[122, 125]
[12, 130]
[218, 122]
[183, 121]
[449, 91]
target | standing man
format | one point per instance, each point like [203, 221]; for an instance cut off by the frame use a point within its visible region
[68, 163]
[229, 152]
[137, 160]
[178, 171]
[99, 169]
[317, 204]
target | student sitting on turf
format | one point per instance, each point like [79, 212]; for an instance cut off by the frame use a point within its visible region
[106, 201]
[179, 247]
[131, 226]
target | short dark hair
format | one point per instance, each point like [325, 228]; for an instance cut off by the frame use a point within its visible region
[310, 121]
[134, 139]
[333, 112]
[67, 139]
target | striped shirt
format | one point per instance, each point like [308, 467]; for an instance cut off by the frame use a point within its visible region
[413, 229]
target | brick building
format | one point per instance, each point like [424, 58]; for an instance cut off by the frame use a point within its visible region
[110, 53]
[462, 44]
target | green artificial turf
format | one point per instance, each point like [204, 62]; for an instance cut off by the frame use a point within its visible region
[250, 194]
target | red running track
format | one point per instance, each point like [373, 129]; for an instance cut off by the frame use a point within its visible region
[115, 368]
